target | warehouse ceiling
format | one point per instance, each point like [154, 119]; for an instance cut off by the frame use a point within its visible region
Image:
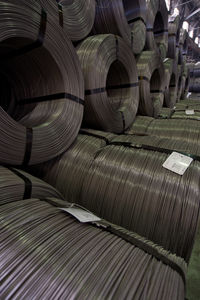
[189, 11]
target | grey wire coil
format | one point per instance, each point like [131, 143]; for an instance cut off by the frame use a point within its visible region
[45, 104]
[16, 185]
[52, 256]
[75, 162]
[151, 82]
[129, 187]
[180, 129]
[170, 93]
[111, 82]
[157, 27]
[78, 17]
[173, 36]
[124, 18]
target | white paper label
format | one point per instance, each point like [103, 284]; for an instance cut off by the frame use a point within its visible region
[189, 112]
[177, 163]
[188, 95]
[81, 215]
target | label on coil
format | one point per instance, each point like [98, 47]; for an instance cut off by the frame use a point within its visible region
[189, 112]
[177, 163]
[80, 214]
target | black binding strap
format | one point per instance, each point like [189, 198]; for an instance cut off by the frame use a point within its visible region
[135, 20]
[38, 43]
[110, 87]
[50, 98]
[156, 91]
[27, 183]
[123, 121]
[153, 148]
[149, 29]
[117, 46]
[161, 31]
[60, 13]
[28, 147]
[94, 135]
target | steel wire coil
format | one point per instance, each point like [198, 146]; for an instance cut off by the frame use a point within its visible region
[151, 81]
[173, 36]
[53, 256]
[129, 187]
[180, 129]
[67, 172]
[17, 184]
[124, 18]
[78, 17]
[157, 27]
[45, 103]
[170, 92]
[111, 82]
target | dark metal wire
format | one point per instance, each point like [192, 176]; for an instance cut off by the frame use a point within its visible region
[53, 256]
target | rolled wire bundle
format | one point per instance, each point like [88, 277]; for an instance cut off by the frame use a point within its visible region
[111, 82]
[78, 17]
[140, 195]
[178, 129]
[170, 92]
[157, 27]
[173, 36]
[67, 172]
[46, 103]
[80, 261]
[124, 18]
[16, 185]
[151, 81]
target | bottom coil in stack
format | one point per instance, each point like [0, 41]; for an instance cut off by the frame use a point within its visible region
[54, 256]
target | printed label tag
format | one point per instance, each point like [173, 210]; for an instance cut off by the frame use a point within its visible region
[177, 163]
[81, 215]
[189, 112]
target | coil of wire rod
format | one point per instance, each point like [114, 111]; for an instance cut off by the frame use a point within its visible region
[124, 18]
[68, 171]
[185, 130]
[173, 36]
[80, 261]
[158, 101]
[170, 92]
[16, 185]
[138, 194]
[184, 41]
[77, 17]
[111, 82]
[45, 105]
[157, 27]
[151, 80]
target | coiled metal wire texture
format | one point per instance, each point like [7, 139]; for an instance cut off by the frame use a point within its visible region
[111, 82]
[53, 256]
[42, 113]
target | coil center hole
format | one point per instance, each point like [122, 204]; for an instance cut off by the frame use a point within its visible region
[117, 79]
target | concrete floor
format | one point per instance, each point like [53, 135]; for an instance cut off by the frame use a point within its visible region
[193, 276]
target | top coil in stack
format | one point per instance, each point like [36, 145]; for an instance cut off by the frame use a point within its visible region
[124, 18]
[46, 88]
[111, 82]
[157, 27]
